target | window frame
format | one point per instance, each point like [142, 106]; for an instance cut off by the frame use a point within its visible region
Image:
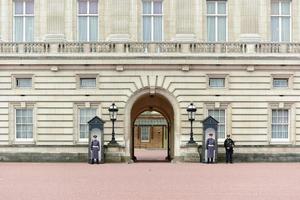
[216, 16]
[280, 16]
[152, 15]
[23, 140]
[149, 134]
[88, 15]
[225, 120]
[215, 87]
[24, 16]
[80, 139]
[14, 78]
[87, 76]
[280, 140]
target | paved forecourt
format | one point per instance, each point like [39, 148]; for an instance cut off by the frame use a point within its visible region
[47, 181]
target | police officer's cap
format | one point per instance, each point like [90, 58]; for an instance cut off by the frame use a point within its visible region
[94, 136]
[228, 135]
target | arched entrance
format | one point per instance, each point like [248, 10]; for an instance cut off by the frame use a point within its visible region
[162, 102]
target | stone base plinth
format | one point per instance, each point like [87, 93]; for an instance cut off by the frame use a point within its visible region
[114, 153]
[190, 153]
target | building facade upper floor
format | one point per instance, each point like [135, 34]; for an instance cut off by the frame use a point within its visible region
[150, 20]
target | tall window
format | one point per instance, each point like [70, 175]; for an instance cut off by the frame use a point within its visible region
[88, 20]
[216, 21]
[145, 133]
[280, 123]
[281, 20]
[85, 115]
[219, 115]
[152, 20]
[23, 20]
[24, 124]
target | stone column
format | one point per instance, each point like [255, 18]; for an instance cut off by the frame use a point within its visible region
[55, 20]
[265, 20]
[70, 9]
[134, 15]
[185, 15]
[295, 21]
[43, 19]
[119, 11]
[4, 22]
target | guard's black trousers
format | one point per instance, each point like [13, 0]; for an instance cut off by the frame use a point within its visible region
[229, 153]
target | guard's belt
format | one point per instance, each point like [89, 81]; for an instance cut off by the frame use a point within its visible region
[211, 145]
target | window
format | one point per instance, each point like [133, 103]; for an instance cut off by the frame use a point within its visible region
[23, 82]
[85, 115]
[281, 20]
[88, 20]
[217, 82]
[24, 124]
[219, 115]
[87, 82]
[152, 20]
[23, 20]
[216, 21]
[280, 123]
[280, 82]
[145, 133]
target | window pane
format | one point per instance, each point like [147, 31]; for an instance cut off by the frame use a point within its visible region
[285, 8]
[211, 7]
[147, 28]
[221, 29]
[24, 124]
[274, 8]
[82, 7]
[23, 82]
[280, 82]
[280, 122]
[82, 28]
[29, 22]
[93, 29]
[86, 114]
[275, 29]
[157, 28]
[87, 82]
[221, 7]
[18, 29]
[29, 6]
[211, 32]
[146, 7]
[145, 133]
[157, 9]
[285, 29]
[216, 82]
[93, 6]
[18, 7]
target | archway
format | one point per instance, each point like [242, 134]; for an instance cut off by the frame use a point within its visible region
[160, 101]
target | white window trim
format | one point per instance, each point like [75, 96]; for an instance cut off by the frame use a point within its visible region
[286, 106]
[77, 108]
[23, 15]
[216, 15]
[88, 15]
[14, 78]
[91, 76]
[152, 15]
[13, 136]
[280, 16]
[282, 76]
[212, 76]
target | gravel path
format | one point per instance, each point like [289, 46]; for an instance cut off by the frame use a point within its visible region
[142, 181]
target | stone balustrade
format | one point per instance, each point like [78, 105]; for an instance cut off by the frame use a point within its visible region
[148, 48]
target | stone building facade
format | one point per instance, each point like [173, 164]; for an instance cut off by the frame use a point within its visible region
[62, 62]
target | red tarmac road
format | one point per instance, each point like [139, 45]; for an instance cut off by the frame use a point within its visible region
[143, 181]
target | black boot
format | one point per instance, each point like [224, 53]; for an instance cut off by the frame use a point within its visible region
[92, 161]
[97, 161]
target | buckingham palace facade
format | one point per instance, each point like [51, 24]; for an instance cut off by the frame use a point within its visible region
[62, 62]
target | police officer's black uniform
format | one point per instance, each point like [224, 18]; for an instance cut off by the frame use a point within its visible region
[228, 144]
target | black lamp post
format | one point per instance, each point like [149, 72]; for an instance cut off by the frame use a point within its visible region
[113, 109]
[191, 109]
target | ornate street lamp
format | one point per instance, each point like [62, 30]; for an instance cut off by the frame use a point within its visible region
[191, 109]
[113, 109]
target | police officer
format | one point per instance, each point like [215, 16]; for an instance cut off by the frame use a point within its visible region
[210, 146]
[229, 144]
[95, 148]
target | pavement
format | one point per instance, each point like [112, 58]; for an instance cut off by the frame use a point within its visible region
[146, 180]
